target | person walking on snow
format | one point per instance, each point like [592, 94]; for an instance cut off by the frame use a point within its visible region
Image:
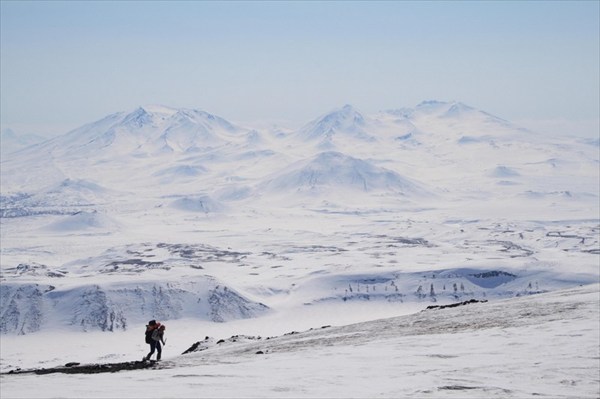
[155, 335]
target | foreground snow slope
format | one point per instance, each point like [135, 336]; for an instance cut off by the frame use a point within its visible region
[544, 345]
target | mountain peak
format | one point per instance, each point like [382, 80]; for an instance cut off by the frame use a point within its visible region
[332, 170]
[434, 106]
[138, 118]
[156, 109]
[347, 109]
[431, 104]
[446, 109]
[345, 120]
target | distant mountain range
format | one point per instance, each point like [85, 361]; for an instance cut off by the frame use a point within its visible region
[433, 148]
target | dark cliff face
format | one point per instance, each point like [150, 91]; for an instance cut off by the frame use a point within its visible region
[22, 308]
[27, 308]
[226, 305]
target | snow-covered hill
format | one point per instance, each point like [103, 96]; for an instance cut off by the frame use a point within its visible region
[331, 170]
[340, 125]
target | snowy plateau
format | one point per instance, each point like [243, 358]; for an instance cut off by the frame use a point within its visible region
[310, 262]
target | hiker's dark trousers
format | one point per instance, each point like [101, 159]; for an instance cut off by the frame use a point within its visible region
[154, 346]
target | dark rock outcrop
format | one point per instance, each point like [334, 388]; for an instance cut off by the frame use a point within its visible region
[453, 305]
[77, 368]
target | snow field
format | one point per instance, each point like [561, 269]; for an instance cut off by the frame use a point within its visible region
[542, 345]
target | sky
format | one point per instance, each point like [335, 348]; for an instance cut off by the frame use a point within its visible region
[64, 64]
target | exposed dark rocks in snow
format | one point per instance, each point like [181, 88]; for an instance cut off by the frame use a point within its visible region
[139, 263]
[314, 248]
[17, 211]
[456, 388]
[139, 258]
[192, 348]
[405, 241]
[493, 273]
[453, 305]
[561, 235]
[508, 247]
[33, 269]
[593, 251]
[204, 253]
[77, 368]
[208, 342]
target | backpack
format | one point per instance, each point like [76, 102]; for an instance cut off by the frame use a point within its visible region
[152, 325]
[155, 335]
[149, 336]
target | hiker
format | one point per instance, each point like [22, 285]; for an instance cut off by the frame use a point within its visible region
[155, 333]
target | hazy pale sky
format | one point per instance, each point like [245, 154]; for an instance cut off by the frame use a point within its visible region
[64, 64]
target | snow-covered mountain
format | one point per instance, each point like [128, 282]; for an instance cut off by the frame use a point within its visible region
[411, 206]
[332, 171]
[341, 124]
[145, 131]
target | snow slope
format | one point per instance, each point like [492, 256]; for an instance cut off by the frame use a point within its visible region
[543, 345]
[336, 171]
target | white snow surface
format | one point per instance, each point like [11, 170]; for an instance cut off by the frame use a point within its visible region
[219, 230]
[532, 346]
